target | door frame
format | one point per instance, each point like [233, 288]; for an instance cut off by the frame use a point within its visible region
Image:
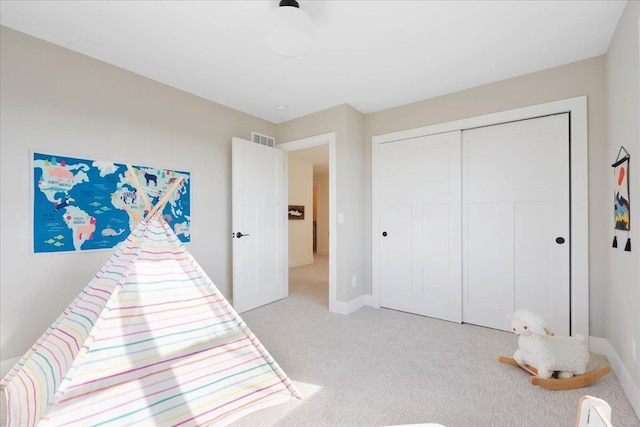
[579, 192]
[300, 144]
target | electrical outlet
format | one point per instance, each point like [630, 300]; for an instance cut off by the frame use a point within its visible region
[634, 354]
[354, 282]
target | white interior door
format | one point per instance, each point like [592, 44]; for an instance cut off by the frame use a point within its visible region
[420, 198]
[516, 222]
[259, 219]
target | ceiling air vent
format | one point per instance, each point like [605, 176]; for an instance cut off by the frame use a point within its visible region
[258, 138]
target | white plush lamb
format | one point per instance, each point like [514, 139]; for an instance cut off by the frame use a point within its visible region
[567, 355]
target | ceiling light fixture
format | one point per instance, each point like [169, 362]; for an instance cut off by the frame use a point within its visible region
[282, 107]
[290, 33]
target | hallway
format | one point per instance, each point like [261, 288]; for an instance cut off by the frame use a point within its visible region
[311, 281]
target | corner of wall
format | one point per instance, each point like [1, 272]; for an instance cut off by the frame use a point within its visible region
[602, 346]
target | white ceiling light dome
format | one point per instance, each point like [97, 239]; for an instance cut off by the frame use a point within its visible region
[290, 30]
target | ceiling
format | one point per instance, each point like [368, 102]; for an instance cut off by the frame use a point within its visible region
[372, 55]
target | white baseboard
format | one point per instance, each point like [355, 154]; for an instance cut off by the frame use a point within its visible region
[603, 346]
[368, 300]
[300, 262]
[351, 306]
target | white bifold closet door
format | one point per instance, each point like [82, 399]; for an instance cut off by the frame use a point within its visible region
[515, 180]
[421, 216]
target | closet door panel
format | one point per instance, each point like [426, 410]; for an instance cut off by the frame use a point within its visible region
[420, 226]
[515, 179]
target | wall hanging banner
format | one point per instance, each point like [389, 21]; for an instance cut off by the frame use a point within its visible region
[621, 209]
[83, 204]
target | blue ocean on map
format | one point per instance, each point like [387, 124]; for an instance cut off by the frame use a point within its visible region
[83, 204]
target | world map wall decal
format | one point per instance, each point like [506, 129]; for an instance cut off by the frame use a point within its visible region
[83, 204]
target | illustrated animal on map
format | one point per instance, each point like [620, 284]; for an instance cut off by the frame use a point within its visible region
[168, 218]
[151, 177]
[61, 173]
[568, 356]
[172, 180]
[64, 203]
[87, 229]
[129, 195]
[110, 232]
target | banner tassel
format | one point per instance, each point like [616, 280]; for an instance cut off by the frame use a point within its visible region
[615, 242]
[627, 247]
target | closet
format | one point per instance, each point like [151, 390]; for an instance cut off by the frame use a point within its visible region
[475, 223]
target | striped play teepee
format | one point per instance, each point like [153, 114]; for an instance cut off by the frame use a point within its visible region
[149, 341]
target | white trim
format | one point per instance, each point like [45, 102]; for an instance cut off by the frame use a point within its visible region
[285, 228]
[312, 141]
[368, 300]
[351, 306]
[577, 107]
[300, 262]
[599, 345]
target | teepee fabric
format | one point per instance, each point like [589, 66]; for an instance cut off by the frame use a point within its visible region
[149, 341]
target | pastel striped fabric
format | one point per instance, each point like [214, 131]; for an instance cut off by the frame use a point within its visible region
[149, 341]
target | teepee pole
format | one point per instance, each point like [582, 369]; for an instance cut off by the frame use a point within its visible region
[137, 218]
[159, 207]
[133, 179]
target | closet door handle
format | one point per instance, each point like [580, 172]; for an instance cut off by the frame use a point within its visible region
[559, 240]
[239, 234]
[384, 234]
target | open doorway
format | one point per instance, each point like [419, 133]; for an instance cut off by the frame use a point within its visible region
[311, 201]
[308, 224]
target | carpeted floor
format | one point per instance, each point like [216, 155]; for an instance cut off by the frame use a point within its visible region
[381, 367]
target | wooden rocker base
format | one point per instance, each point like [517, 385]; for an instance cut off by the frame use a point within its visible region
[577, 381]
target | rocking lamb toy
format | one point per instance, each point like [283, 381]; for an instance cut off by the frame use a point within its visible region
[542, 354]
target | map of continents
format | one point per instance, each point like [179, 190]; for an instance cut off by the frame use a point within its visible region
[82, 204]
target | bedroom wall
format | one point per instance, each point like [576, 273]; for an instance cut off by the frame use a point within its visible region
[623, 113]
[345, 121]
[54, 100]
[585, 77]
[301, 231]
[322, 183]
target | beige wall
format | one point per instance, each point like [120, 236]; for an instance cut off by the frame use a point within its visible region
[580, 78]
[353, 168]
[347, 123]
[623, 108]
[321, 182]
[301, 194]
[56, 101]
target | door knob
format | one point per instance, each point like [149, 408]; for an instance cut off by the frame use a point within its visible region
[384, 234]
[239, 234]
[559, 240]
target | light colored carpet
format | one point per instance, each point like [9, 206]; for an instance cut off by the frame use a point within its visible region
[381, 367]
